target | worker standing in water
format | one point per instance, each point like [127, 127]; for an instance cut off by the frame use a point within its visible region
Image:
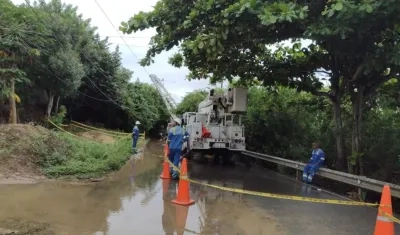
[176, 137]
[135, 136]
[316, 161]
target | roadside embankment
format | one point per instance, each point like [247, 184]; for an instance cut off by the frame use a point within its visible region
[30, 153]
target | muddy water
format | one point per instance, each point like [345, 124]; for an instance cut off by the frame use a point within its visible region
[135, 201]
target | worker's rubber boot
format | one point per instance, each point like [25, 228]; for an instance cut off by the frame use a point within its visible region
[309, 179]
[175, 175]
[305, 177]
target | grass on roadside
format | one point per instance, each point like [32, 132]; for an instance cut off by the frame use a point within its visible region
[63, 155]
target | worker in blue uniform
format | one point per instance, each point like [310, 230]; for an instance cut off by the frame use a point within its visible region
[316, 161]
[176, 136]
[135, 136]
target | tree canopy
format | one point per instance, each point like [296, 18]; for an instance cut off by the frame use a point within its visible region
[353, 43]
[191, 101]
[55, 58]
[211, 33]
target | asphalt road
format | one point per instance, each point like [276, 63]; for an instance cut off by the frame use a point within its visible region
[294, 217]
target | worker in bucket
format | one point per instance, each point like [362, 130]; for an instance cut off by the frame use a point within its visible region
[316, 161]
[135, 136]
[176, 137]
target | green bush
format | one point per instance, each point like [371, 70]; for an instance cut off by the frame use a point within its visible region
[285, 123]
[51, 149]
[61, 154]
[88, 157]
[58, 118]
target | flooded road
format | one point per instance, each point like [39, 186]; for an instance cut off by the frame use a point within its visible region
[137, 201]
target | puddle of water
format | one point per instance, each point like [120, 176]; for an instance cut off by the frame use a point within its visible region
[134, 201]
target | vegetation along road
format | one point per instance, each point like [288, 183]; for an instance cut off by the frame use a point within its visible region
[315, 70]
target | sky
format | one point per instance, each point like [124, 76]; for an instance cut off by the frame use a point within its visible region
[121, 10]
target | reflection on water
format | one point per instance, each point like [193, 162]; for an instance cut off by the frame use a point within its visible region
[134, 201]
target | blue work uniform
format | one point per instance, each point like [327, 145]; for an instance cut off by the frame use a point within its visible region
[135, 137]
[176, 136]
[316, 161]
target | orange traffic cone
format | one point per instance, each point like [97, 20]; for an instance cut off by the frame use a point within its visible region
[166, 151]
[181, 213]
[384, 225]
[183, 197]
[165, 173]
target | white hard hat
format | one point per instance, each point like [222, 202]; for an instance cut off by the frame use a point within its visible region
[137, 123]
[178, 120]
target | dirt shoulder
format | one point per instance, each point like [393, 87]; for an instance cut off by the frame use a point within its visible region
[18, 163]
[30, 153]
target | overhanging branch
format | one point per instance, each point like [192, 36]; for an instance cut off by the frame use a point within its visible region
[320, 93]
[373, 87]
[356, 74]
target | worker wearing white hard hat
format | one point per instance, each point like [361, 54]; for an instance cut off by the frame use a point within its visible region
[135, 136]
[176, 137]
[178, 121]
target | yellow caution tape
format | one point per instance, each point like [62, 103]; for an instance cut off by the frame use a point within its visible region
[277, 196]
[391, 217]
[98, 129]
[288, 197]
[16, 98]
[90, 129]
[114, 133]
[61, 129]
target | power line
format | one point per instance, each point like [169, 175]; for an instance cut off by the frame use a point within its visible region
[129, 45]
[155, 84]
[133, 37]
[97, 34]
[109, 20]
[44, 24]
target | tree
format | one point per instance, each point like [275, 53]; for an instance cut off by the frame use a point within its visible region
[191, 101]
[67, 66]
[63, 68]
[75, 69]
[14, 50]
[147, 104]
[353, 42]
